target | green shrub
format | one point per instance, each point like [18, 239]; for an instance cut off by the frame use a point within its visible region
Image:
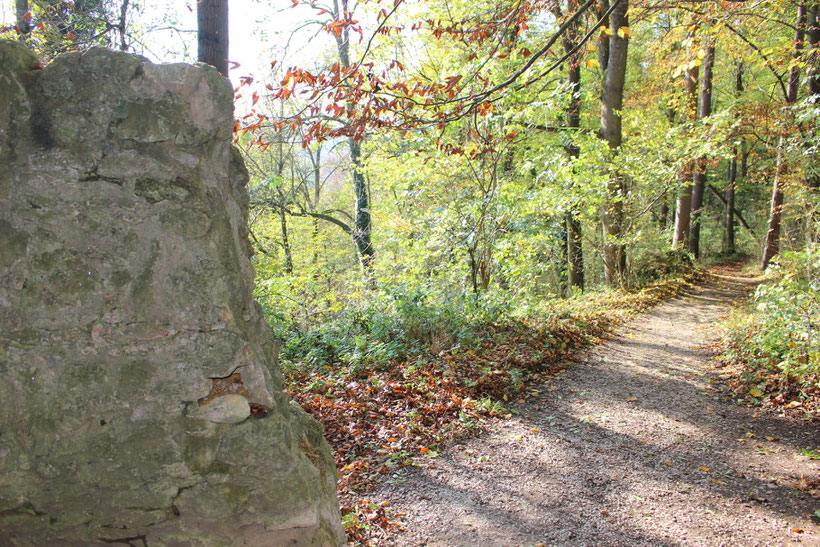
[783, 332]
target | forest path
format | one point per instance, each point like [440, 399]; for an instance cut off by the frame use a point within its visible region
[632, 446]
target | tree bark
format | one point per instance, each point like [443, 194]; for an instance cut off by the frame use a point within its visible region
[684, 204]
[575, 253]
[23, 25]
[732, 174]
[574, 249]
[699, 180]
[122, 25]
[283, 219]
[731, 178]
[362, 225]
[614, 75]
[813, 30]
[813, 82]
[212, 33]
[772, 246]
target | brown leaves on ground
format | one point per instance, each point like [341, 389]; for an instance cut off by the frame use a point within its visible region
[377, 420]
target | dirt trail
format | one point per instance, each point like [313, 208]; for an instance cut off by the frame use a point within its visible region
[632, 446]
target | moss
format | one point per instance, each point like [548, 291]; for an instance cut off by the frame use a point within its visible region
[236, 497]
[135, 377]
[13, 244]
[199, 453]
[185, 221]
[141, 289]
[120, 278]
[16, 57]
[154, 191]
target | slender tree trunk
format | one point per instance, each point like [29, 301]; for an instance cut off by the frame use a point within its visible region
[23, 25]
[575, 253]
[283, 220]
[663, 218]
[212, 33]
[574, 247]
[122, 25]
[772, 246]
[362, 223]
[699, 180]
[683, 208]
[314, 202]
[614, 75]
[813, 82]
[813, 30]
[732, 174]
[731, 178]
[684, 204]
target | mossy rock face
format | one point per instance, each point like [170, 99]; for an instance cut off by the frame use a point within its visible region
[130, 345]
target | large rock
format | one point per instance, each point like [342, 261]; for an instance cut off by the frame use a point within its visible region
[140, 399]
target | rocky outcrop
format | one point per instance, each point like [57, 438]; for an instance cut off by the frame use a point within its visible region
[140, 400]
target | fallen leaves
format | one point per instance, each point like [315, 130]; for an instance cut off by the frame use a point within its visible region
[386, 417]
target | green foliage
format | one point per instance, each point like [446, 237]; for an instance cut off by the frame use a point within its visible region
[781, 335]
[789, 311]
[392, 325]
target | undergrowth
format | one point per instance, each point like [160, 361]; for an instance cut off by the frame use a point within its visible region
[770, 349]
[395, 379]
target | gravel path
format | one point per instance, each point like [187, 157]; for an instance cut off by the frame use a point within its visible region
[631, 446]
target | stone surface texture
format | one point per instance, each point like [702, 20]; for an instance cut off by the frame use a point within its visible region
[140, 399]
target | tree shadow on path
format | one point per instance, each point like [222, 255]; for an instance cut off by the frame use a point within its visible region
[631, 446]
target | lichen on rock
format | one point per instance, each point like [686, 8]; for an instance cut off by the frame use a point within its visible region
[125, 297]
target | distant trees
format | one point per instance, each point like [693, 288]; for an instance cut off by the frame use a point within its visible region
[52, 27]
[23, 17]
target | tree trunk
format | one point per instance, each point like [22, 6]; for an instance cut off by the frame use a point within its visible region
[731, 178]
[699, 180]
[283, 219]
[813, 83]
[212, 33]
[362, 223]
[574, 247]
[122, 25]
[575, 253]
[813, 29]
[23, 25]
[614, 75]
[732, 174]
[684, 205]
[772, 246]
